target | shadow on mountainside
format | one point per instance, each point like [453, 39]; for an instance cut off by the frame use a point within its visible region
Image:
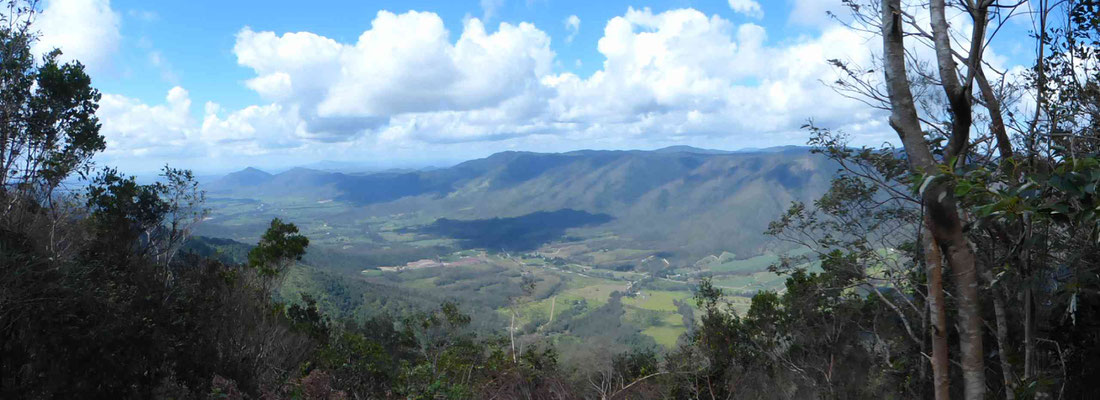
[522, 233]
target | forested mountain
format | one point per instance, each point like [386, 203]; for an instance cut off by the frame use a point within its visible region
[246, 178]
[683, 199]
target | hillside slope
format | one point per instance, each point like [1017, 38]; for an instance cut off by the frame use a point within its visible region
[680, 199]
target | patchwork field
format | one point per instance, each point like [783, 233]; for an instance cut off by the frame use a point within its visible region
[584, 279]
[568, 293]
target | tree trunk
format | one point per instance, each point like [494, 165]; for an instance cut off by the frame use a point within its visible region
[958, 94]
[941, 365]
[1029, 331]
[962, 263]
[996, 120]
[1029, 305]
[904, 120]
[903, 115]
[1002, 345]
[937, 198]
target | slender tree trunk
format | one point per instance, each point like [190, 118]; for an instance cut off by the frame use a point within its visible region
[903, 110]
[925, 368]
[904, 120]
[1029, 330]
[1004, 147]
[962, 262]
[937, 198]
[1002, 344]
[1031, 134]
[941, 365]
[996, 120]
[948, 226]
[1029, 305]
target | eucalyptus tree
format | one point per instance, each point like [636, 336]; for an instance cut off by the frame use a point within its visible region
[1001, 165]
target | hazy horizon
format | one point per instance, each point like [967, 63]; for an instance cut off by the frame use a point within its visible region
[376, 166]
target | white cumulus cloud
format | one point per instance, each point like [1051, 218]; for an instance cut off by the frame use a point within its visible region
[85, 30]
[408, 83]
[133, 127]
[572, 26]
[489, 8]
[253, 129]
[406, 63]
[681, 73]
[749, 8]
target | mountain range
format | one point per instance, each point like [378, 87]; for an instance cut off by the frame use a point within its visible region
[679, 199]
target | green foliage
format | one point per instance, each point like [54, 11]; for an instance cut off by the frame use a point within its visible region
[224, 250]
[808, 341]
[125, 317]
[123, 324]
[50, 128]
[157, 216]
[117, 201]
[305, 317]
[432, 355]
[279, 246]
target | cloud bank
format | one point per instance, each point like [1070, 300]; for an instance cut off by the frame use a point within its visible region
[672, 76]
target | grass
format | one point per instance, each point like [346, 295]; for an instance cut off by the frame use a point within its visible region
[543, 307]
[425, 283]
[665, 335]
[658, 300]
[594, 294]
[433, 242]
[751, 282]
[613, 255]
[581, 281]
[754, 264]
[726, 264]
[740, 303]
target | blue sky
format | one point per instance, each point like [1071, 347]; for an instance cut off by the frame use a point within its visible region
[216, 86]
[196, 37]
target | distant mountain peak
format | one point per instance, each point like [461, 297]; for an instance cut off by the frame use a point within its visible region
[246, 177]
[775, 149]
[252, 170]
[302, 170]
[249, 173]
[689, 149]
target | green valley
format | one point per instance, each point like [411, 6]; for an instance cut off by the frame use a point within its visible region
[583, 226]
